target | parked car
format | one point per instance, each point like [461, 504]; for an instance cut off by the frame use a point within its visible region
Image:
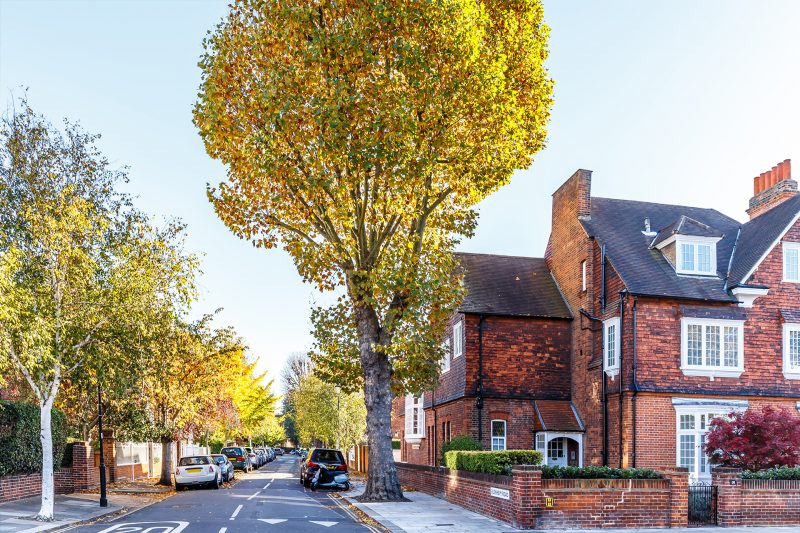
[271, 453]
[197, 470]
[254, 458]
[332, 459]
[225, 465]
[263, 456]
[239, 457]
[278, 451]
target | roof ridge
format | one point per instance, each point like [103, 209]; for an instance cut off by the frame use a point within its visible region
[667, 205]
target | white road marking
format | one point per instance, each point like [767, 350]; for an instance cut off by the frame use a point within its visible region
[267, 485]
[223, 530]
[236, 512]
[254, 495]
[273, 521]
[164, 527]
[322, 523]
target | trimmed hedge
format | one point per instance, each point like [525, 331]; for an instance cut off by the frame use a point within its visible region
[597, 472]
[462, 443]
[395, 444]
[496, 462]
[778, 472]
[20, 449]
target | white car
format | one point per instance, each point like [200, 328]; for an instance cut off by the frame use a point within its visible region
[197, 470]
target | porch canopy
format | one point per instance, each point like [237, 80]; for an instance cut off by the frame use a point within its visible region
[558, 432]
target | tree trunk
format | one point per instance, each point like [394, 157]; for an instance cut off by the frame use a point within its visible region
[46, 438]
[166, 462]
[382, 481]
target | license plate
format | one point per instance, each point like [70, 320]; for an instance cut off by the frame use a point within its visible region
[193, 470]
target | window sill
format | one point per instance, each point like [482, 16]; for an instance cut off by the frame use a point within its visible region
[414, 439]
[712, 373]
[612, 372]
[791, 375]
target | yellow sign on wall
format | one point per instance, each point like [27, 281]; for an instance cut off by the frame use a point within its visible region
[548, 501]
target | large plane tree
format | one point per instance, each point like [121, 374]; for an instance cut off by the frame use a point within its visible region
[359, 136]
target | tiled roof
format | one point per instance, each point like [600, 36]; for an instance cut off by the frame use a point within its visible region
[758, 236]
[686, 226]
[508, 285]
[618, 224]
[556, 415]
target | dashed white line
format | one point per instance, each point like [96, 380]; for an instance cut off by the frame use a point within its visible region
[267, 485]
[236, 512]
[223, 530]
[254, 495]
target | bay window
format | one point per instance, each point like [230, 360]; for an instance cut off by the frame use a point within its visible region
[458, 339]
[711, 347]
[791, 351]
[791, 261]
[611, 344]
[414, 418]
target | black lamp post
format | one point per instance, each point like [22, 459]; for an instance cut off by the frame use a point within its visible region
[103, 498]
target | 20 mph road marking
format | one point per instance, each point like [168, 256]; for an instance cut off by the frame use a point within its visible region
[236, 512]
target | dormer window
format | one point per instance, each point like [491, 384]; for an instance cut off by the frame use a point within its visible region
[696, 256]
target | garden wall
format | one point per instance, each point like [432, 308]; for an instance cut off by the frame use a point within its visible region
[755, 502]
[80, 476]
[527, 501]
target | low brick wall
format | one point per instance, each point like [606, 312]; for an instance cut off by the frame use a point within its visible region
[527, 501]
[467, 489]
[82, 475]
[755, 502]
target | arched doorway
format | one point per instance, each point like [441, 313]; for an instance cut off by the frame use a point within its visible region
[563, 451]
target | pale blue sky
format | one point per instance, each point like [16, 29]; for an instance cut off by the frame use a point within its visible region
[676, 102]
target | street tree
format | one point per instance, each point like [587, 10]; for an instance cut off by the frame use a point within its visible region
[360, 136]
[79, 267]
[325, 415]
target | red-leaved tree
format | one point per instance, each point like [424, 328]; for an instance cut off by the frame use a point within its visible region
[755, 440]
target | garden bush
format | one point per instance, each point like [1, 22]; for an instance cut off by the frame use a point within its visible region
[395, 444]
[461, 443]
[20, 449]
[597, 472]
[778, 472]
[495, 462]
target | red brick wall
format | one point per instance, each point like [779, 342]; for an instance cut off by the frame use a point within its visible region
[535, 503]
[770, 503]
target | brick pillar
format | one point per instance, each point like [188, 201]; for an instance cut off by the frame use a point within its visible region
[526, 495]
[82, 465]
[679, 496]
[729, 495]
[110, 454]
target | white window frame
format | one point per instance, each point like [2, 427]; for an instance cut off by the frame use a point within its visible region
[696, 242]
[790, 371]
[703, 411]
[796, 247]
[414, 407]
[445, 364]
[703, 369]
[458, 339]
[583, 275]
[499, 443]
[611, 369]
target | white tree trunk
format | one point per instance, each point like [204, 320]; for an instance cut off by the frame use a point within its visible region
[46, 438]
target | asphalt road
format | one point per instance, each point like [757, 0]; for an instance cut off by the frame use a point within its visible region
[269, 500]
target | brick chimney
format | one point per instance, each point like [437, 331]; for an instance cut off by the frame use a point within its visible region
[771, 188]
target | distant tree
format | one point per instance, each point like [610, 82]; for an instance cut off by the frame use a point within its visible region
[296, 368]
[755, 440]
[325, 415]
[360, 136]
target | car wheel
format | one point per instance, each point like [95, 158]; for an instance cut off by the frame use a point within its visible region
[178, 487]
[217, 483]
[346, 486]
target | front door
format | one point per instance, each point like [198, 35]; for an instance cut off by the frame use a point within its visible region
[572, 453]
[557, 452]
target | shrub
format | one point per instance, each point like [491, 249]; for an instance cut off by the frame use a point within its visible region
[20, 449]
[395, 444]
[755, 440]
[495, 462]
[777, 472]
[461, 443]
[597, 472]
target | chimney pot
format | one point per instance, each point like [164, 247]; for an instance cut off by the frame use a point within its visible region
[772, 187]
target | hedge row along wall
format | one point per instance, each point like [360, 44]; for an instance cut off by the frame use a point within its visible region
[20, 448]
[527, 501]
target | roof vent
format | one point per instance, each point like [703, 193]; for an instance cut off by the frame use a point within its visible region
[648, 232]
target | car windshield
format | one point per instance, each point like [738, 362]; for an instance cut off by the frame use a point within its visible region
[191, 461]
[219, 458]
[328, 456]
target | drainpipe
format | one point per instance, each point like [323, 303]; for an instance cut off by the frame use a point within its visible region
[603, 278]
[635, 384]
[622, 295]
[435, 429]
[479, 401]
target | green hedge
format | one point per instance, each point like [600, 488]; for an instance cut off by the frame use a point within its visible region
[20, 449]
[395, 444]
[597, 472]
[777, 472]
[497, 462]
[461, 443]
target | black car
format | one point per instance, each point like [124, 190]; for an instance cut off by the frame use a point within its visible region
[333, 459]
[278, 451]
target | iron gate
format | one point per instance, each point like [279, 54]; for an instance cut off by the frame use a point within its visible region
[702, 504]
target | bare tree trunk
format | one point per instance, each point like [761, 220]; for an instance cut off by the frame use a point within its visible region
[166, 462]
[382, 481]
[46, 438]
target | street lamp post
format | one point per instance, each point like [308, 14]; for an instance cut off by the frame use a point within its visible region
[103, 498]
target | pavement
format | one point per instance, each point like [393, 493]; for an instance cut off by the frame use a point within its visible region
[268, 500]
[424, 513]
[17, 516]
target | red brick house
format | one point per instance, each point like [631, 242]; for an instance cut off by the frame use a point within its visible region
[643, 321]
